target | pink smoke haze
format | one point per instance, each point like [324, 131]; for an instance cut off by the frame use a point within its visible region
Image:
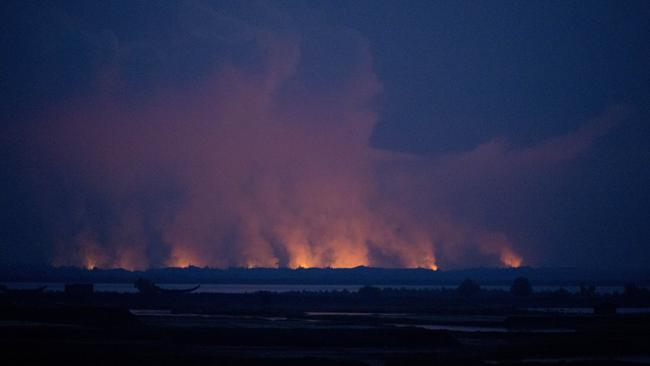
[270, 172]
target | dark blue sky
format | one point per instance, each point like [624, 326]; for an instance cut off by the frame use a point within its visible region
[454, 75]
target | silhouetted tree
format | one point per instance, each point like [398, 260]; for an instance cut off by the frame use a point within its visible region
[631, 290]
[370, 292]
[561, 294]
[468, 288]
[587, 290]
[521, 287]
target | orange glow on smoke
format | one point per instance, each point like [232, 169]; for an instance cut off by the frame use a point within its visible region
[429, 262]
[304, 256]
[349, 256]
[180, 262]
[333, 254]
[90, 263]
[182, 258]
[90, 253]
[510, 259]
[265, 169]
[93, 257]
[432, 266]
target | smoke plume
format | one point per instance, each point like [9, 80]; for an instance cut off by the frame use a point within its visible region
[261, 161]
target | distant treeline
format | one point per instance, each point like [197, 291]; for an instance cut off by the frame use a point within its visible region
[339, 276]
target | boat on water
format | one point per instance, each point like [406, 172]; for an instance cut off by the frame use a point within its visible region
[148, 287]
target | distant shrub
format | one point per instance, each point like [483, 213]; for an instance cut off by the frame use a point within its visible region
[587, 290]
[631, 290]
[468, 288]
[561, 294]
[521, 287]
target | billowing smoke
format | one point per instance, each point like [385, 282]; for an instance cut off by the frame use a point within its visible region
[261, 161]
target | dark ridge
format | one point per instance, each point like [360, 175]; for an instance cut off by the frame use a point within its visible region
[338, 276]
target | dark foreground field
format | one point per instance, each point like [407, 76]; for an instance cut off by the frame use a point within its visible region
[343, 328]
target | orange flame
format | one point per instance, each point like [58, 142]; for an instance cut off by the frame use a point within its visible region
[510, 259]
[90, 263]
[182, 257]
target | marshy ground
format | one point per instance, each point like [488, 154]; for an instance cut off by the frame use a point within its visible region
[369, 327]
